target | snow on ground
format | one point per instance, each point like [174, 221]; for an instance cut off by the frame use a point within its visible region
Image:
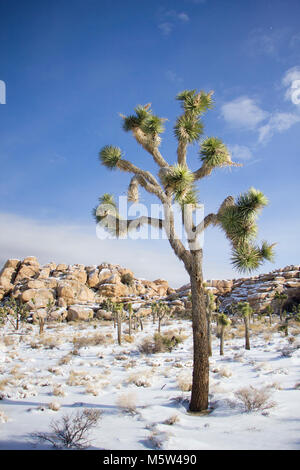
[138, 393]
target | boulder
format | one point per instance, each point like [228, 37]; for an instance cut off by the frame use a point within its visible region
[41, 297]
[79, 313]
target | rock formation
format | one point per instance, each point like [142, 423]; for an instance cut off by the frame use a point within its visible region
[76, 290]
[259, 290]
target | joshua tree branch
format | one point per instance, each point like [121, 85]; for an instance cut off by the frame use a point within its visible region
[212, 219]
[145, 178]
[150, 145]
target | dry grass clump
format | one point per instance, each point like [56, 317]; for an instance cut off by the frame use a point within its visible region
[184, 381]
[65, 360]
[58, 391]
[223, 371]
[86, 341]
[158, 438]
[172, 420]
[254, 399]
[10, 340]
[127, 402]
[128, 338]
[160, 342]
[50, 342]
[140, 379]
[297, 386]
[54, 406]
[77, 378]
[3, 417]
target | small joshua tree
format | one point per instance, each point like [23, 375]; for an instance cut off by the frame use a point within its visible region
[269, 311]
[161, 311]
[279, 299]
[176, 184]
[119, 310]
[15, 312]
[245, 311]
[224, 322]
[130, 312]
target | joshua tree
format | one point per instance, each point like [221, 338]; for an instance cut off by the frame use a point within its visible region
[223, 321]
[269, 311]
[15, 312]
[130, 312]
[119, 311]
[245, 311]
[176, 183]
[280, 299]
[161, 310]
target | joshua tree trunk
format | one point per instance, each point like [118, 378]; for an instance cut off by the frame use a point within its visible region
[247, 338]
[41, 324]
[129, 321]
[119, 323]
[200, 388]
[222, 340]
[159, 323]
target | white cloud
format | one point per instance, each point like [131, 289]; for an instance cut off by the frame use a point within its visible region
[243, 112]
[168, 19]
[173, 77]
[278, 122]
[183, 17]
[291, 80]
[240, 152]
[166, 28]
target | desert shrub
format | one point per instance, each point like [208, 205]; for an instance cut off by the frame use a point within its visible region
[127, 402]
[71, 431]
[65, 360]
[54, 406]
[50, 342]
[58, 391]
[184, 382]
[160, 343]
[127, 279]
[140, 379]
[86, 341]
[254, 399]
[3, 417]
[172, 420]
[287, 351]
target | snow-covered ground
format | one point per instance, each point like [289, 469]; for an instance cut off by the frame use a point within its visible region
[138, 393]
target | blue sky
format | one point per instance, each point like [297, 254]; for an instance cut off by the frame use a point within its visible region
[71, 67]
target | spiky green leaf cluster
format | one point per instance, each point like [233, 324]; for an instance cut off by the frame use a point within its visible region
[110, 156]
[195, 103]
[106, 206]
[237, 228]
[178, 177]
[188, 129]
[250, 203]
[247, 257]
[223, 319]
[244, 309]
[143, 119]
[238, 220]
[214, 153]
[267, 251]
